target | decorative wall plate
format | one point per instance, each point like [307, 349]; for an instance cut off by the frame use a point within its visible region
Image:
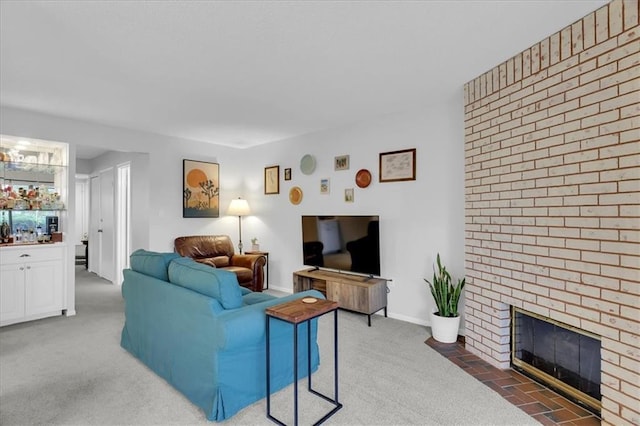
[307, 164]
[363, 178]
[295, 195]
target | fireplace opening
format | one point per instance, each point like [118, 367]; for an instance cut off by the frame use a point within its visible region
[562, 357]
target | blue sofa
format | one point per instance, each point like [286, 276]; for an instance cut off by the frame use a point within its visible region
[194, 326]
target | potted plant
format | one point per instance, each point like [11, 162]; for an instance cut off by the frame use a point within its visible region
[446, 320]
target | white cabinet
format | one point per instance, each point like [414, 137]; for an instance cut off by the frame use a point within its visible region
[31, 282]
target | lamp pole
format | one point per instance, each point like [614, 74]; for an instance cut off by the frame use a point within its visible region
[240, 234]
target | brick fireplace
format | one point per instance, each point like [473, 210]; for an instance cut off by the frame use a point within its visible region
[552, 186]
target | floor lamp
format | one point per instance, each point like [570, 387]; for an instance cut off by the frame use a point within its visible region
[239, 207]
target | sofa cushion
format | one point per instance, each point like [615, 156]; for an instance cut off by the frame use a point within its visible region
[217, 283]
[256, 297]
[152, 263]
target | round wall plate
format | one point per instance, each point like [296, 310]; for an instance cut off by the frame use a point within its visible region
[363, 178]
[307, 164]
[295, 195]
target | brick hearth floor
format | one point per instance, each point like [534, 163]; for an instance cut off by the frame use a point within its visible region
[541, 403]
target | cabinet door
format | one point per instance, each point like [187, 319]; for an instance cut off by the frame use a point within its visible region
[332, 291]
[349, 296]
[43, 287]
[11, 292]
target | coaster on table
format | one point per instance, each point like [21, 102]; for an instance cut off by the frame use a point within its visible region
[309, 300]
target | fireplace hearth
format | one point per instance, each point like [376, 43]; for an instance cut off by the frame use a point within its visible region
[560, 356]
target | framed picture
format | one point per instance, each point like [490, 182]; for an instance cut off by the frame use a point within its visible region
[287, 174]
[324, 186]
[341, 162]
[272, 180]
[200, 189]
[398, 165]
[348, 195]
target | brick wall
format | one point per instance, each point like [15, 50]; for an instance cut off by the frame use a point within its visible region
[552, 185]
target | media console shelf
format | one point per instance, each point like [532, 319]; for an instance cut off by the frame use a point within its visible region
[352, 292]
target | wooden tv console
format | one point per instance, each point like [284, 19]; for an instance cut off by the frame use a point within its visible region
[352, 292]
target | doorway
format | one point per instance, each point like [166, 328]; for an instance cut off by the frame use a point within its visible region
[123, 207]
[111, 181]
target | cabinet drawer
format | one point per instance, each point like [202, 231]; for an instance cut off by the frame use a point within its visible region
[29, 254]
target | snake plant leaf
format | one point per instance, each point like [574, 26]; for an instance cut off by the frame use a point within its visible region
[445, 294]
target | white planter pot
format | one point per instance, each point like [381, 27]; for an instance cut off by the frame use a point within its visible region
[444, 329]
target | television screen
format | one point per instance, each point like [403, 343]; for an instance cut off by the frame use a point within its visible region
[343, 243]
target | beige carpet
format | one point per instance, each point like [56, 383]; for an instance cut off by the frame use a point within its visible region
[72, 371]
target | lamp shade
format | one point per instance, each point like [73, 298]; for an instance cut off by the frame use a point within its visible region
[239, 207]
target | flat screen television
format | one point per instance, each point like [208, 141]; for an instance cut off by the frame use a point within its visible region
[342, 243]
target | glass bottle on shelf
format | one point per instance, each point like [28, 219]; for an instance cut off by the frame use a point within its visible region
[5, 230]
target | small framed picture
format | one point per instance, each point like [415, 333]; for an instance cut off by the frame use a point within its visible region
[324, 186]
[348, 195]
[287, 174]
[341, 162]
[397, 166]
[272, 180]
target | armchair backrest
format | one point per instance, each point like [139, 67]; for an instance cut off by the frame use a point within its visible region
[205, 247]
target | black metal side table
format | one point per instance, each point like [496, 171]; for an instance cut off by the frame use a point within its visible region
[297, 312]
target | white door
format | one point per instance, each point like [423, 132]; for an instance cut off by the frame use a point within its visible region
[107, 228]
[43, 287]
[12, 291]
[94, 225]
[102, 225]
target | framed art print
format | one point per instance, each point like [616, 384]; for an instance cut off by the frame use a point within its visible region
[324, 186]
[200, 189]
[348, 195]
[287, 174]
[341, 162]
[272, 180]
[397, 166]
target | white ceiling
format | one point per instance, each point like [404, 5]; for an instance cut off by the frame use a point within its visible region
[242, 73]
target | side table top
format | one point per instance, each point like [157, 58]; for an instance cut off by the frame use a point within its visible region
[297, 311]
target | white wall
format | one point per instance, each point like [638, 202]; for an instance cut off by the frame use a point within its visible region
[417, 218]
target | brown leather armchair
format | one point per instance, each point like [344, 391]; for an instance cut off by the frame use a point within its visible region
[217, 251]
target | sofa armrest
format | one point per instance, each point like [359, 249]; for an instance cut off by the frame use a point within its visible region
[244, 326]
